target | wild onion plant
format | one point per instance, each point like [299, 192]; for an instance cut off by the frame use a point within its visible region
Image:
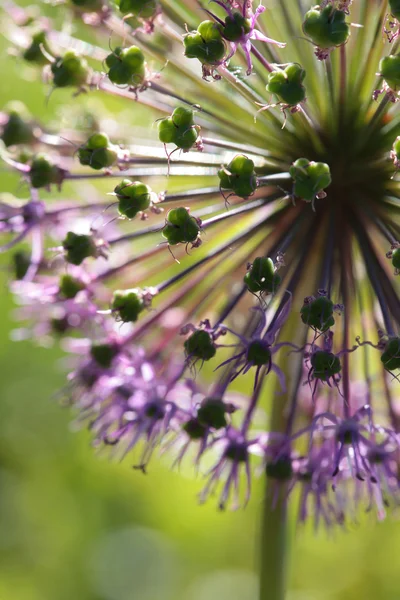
[239, 259]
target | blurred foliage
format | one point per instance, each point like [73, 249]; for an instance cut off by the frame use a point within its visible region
[77, 525]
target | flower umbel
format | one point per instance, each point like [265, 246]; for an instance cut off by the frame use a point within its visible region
[236, 251]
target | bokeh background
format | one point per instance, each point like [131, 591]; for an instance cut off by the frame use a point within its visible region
[74, 525]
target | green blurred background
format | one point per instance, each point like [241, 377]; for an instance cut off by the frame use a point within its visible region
[74, 525]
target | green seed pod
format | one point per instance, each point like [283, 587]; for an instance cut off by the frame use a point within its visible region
[21, 263]
[261, 276]
[127, 66]
[77, 247]
[325, 365]
[318, 313]
[128, 305]
[239, 176]
[396, 258]
[180, 227]
[98, 152]
[287, 84]
[389, 68]
[310, 178]
[144, 9]
[205, 44]
[235, 27]
[237, 452]
[34, 53]
[43, 171]
[394, 6]
[133, 197]
[18, 129]
[194, 429]
[391, 355]
[70, 286]
[70, 70]
[211, 413]
[103, 354]
[200, 345]
[179, 129]
[258, 353]
[280, 469]
[326, 27]
[60, 325]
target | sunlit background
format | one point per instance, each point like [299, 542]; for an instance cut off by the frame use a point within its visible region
[75, 525]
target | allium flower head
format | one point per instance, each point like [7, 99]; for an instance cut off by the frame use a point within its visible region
[248, 239]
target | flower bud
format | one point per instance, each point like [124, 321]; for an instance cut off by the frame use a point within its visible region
[126, 66]
[200, 345]
[326, 27]
[261, 276]
[133, 197]
[325, 365]
[205, 44]
[77, 247]
[239, 176]
[98, 152]
[70, 70]
[180, 227]
[179, 129]
[128, 305]
[310, 178]
[287, 84]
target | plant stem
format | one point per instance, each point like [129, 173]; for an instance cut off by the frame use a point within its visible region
[273, 546]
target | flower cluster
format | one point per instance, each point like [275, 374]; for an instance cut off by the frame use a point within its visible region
[244, 263]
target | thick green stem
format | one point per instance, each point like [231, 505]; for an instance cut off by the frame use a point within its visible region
[273, 546]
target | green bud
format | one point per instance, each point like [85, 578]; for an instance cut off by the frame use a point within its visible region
[59, 325]
[258, 353]
[326, 27]
[98, 152]
[70, 70]
[43, 171]
[127, 66]
[318, 313]
[261, 276]
[325, 365]
[394, 6]
[33, 53]
[205, 44]
[310, 178]
[179, 129]
[211, 413]
[194, 429]
[237, 452]
[144, 9]
[288, 84]
[200, 345]
[180, 227]
[389, 68]
[235, 27]
[133, 197]
[391, 355]
[18, 129]
[280, 469]
[103, 354]
[70, 286]
[77, 247]
[128, 305]
[21, 262]
[239, 176]
[396, 258]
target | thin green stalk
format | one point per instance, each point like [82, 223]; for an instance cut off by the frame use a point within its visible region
[273, 546]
